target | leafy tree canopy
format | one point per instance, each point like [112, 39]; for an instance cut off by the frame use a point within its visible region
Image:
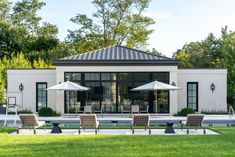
[114, 22]
[211, 52]
[22, 30]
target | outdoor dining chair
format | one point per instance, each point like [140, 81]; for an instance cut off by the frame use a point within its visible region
[30, 121]
[124, 111]
[102, 110]
[193, 121]
[135, 109]
[87, 109]
[140, 120]
[146, 110]
[88, 121]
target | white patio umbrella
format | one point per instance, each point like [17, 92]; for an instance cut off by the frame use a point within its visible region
[155, 86]
[68, 86]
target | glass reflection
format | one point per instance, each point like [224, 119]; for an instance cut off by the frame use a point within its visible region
[109, 96]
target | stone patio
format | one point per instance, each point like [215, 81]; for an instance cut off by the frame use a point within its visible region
[116, 132]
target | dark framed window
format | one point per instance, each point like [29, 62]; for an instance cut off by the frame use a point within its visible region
[192, 95]
[41, 95]
[73, 76]
[112, 89]
[161, 76]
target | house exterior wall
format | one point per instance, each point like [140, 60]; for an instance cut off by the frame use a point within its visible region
[178, 99]
[29, 78]
[60, 70]
[207, 100]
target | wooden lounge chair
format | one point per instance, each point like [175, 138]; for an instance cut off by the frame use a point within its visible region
[193, 121]
[135, 109]
[139, 120]
[30, 121]
[88, 121]
[87, 109]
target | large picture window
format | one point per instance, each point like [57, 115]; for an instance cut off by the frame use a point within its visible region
[112, 89]
[41, 95]
[192, 95]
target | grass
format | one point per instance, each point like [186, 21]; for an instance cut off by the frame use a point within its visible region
[120, 145]
[7, 129]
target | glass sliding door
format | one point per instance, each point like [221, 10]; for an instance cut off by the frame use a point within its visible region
[93, 96]
[113, 89]
[163, 102]
[140, 98]
[108, 96]
[73, 101]
[124, 96]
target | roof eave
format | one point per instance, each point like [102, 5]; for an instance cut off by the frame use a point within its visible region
[114, 62]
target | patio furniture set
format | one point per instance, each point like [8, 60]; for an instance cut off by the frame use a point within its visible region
[89, 121]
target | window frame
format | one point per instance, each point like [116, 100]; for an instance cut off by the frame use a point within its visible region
[38, 83]
[118, 82]
[197, 88]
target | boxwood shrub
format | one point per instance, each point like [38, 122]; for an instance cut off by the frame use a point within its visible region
[47, 112]
[186, 111]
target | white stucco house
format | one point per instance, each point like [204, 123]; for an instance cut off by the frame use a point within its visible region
[111, 73]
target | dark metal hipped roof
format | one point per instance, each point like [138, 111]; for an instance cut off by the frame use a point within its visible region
[116, 55]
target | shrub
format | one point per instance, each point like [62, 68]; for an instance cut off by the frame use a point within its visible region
[47, 112]
[214, 112]
[22, 111]
[186, 111]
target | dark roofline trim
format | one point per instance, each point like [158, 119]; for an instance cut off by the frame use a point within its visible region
[143, 64]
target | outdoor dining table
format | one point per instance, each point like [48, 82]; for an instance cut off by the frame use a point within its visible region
[56, 128]
[169, 128]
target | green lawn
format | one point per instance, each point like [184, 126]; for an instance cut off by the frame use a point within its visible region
[125, 145]
[7, 129]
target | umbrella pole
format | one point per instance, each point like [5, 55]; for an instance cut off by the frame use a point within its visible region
[68, 104]
[155, 92]
[75, 95]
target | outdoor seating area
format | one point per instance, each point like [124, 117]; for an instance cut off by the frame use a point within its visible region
[116, 132]
[139, 124]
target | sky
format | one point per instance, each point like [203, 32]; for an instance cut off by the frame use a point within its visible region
[177, 21]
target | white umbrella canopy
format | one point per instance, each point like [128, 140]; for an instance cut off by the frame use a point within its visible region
[155, 86]
[68, 86]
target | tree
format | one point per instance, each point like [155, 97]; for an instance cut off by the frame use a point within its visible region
[5, 6]
[211, 53]
[17, 61]
[36, 39]
[40, 63]
[25, 16]
[10, 39]
[200, 54]
[117, 22]
[228, 60]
